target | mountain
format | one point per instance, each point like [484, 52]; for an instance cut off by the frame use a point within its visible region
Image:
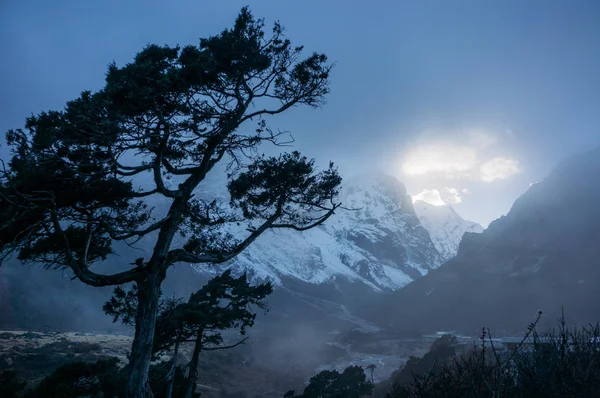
[446, 228]
[377, 240]
[376, 244]
[543, 255]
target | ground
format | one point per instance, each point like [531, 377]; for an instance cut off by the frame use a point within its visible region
[255, 369]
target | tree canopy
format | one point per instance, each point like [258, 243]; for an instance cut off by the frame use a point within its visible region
[71, 187]
[351, 383]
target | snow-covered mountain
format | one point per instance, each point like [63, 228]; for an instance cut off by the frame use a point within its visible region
[446, 228]
[379, 241]
[378, 245]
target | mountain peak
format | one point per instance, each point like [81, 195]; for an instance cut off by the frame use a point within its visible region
[383, 186]
[446, 228]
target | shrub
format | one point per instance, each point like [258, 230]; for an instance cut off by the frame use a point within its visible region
[81, 379]
[561, 363]
[101, 379]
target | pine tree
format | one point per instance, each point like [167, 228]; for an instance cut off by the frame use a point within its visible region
[73, 186]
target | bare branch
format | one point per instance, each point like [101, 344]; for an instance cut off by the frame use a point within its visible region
[180, 255]
[139, 233]
[319, 221]
[226, 347]
[281, 109]
[178, 171]
[82, 272]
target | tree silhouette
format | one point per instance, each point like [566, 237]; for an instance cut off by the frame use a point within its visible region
[351, 383]
[225, 302]
[372, 368]
[78, 178]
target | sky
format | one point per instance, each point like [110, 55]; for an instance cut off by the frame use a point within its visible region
[466, 102]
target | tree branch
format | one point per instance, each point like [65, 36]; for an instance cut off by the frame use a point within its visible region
[180, 255]
[320, 221]
[140, 233]
[178, 171]
[82, 272]
[226, 347]
[281, 109]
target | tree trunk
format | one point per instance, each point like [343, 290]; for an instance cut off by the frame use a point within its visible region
[193, 374]
[141, 349]
[169, 392]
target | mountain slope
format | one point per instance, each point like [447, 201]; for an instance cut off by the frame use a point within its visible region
[378, 241]
[446, 228]
[543, 255]
[377, 245]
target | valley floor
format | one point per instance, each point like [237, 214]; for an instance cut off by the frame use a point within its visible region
[34, 355]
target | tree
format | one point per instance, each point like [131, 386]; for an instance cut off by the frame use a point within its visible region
[372, 368]
[223, 303]
[351, 383]
[75, 182]
[122, 306]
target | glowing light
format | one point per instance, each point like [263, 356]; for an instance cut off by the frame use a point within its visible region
[431, 196]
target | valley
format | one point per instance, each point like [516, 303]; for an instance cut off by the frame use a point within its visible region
[314, 319]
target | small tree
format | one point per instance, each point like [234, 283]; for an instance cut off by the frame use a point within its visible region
[371, 369]
[73, 186]
[223, 303]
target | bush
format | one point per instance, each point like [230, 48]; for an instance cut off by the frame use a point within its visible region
[563, 363]
[441, 351]
[101, 379]
[11, 386]
[76, 379]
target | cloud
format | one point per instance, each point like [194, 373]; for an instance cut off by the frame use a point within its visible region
[499, 168]
[446, 196]
[452, 195]
[431, 196]
[468, 156]
[451, 161]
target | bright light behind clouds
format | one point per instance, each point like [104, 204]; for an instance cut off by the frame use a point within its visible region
[459, 167]
[437, 198]
[465, 157]
[452, 161]
[431, 196]
[453, 196]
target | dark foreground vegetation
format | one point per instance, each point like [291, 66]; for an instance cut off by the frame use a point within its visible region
[561, 363]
